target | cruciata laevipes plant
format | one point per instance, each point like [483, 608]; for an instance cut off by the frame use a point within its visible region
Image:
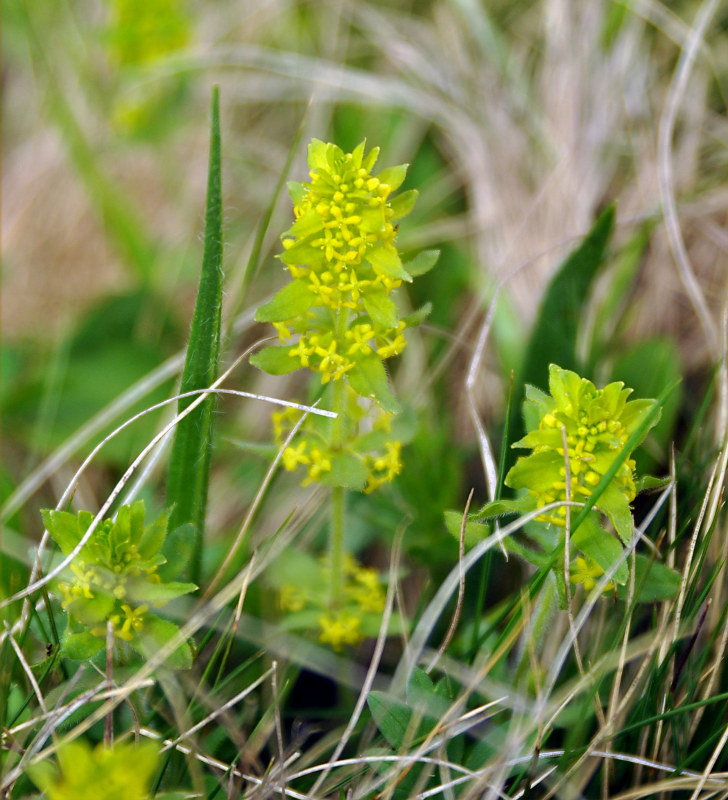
[589, 435]
[116, 581]
[337, 319]
[122, 772]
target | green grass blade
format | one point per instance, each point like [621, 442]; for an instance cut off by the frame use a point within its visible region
[553, 338]
[190, 462]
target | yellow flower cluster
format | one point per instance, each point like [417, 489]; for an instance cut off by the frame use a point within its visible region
[585, 443]
[341, 251]
[598, 424]
[383, 469]
[312, 450]
[124, 772]
[106, 582]
[362, 594]
[125, 624]
[353, 217]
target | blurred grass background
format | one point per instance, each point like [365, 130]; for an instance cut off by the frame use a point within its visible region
[522, 121]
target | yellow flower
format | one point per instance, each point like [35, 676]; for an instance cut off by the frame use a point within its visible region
[284, 332]
[132, 622]
[320, 464]
[367, 592]
[292, 598]
[588, 572]
[339, 630]
[383, 469]
[360, 335]
[293, 456]
[302, 351]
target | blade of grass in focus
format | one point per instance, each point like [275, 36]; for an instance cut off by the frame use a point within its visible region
[189, 466]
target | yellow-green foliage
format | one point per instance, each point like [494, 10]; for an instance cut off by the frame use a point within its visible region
[115, 579]
[342, 255]
[122, 772]
[337, 319]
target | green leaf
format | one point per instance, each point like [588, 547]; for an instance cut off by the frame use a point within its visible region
[297, 192]
[275, 360]
[616, 507]
[309, 223]
[369, 379]
[372, 622]
[94, 611]
[535, 406]
[474, 531]
[635, 412]
[418, 317]
[392, 717]
[152, 538]
[154, 635]
[63, 528]
[553, 339]
[372, 220]
[144, 591]
[294, 299]
[303, 253]
[403, 203]
[650, 483]
[121, 530]
[136, 521]
[386, 261]
[370, 159]
[600, 546]
[504, 507]
[317, 154]
[425, 698]
[393, 176]
[536, 472]
[177, 549]
[189, 466]
[80, 646]
[615, 301]
[422, 263]
[381, 308]
[346, 471]
[300, 569]
[373, 440]
[653, 581]
[358, 154]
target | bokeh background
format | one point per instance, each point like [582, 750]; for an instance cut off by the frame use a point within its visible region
[521, 121]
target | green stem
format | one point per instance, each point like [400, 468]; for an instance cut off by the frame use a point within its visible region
[338, 496]
[336, 545]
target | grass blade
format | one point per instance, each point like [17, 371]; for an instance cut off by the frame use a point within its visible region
[190, 462]
[553, 338]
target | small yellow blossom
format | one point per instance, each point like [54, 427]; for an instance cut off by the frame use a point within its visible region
[342, 629]
[292, 598]
[588, 572]
[284, 332]
[293, 456]
[320, 464]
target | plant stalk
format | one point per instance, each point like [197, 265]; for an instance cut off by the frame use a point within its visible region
[338, 493]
